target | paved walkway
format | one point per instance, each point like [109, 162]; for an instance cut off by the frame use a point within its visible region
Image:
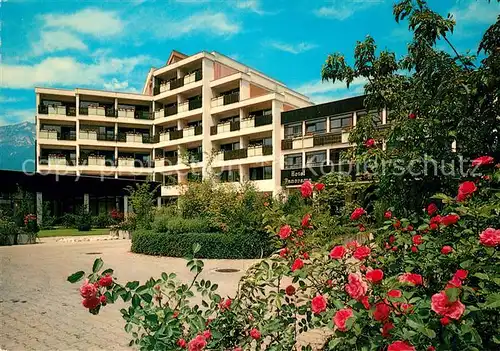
[40, 310]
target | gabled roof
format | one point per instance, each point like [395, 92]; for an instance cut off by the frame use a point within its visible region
[175, 56]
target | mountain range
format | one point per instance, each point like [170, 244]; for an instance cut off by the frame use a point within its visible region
[17, 146]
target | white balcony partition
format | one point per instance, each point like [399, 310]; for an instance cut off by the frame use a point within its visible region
[223, 127]
[254, 151]
[345, 137]
[48, 134]
[183, 107]
[125, 162]
[159, 113]
[219, 101]
[164, 87]
[57, 110]
[189, 131]
[165, 137]
[57, 161]
[190, 78]
[247, 123]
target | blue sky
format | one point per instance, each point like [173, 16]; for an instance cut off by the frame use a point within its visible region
[112, 44]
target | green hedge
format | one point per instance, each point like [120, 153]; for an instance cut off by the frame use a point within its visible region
[178, 225]
[213, 245]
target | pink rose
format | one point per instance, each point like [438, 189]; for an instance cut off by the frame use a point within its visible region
[400, 346]
[375, 276]
[106, 281]
[394, 293]
[382, 312]
[483, 161]
[357, 213]
[449, 219]
[285, 232]
[297, 264]
[338, 252]
[370, 143]
[255, 334]
[318, 304]
[207, 334]
[357, 287]
[417, 240]
[388, 215]
[306, 189]
[197, 344]
[445, 250]
[181, 343]
[431, 209]
[465, 190]
[319, 186]
[340, 318]
[88, 290]
[91, 302]
[362, 252]
[490, 237]
[442, 306]
[411, 278]
[306, 220]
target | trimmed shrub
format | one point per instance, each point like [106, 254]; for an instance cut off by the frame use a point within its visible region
[68, 220]
[102, 220]
[213, 245]
[8, 231]
[177, 225]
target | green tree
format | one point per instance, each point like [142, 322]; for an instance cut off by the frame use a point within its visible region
[142, 200]
[437, 102]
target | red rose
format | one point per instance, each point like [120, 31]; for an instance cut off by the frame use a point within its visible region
[445, 321]
[181, 343]
[318, 304]
[433, 226]
[357, 287]
[88, 290]
[411, 278]
[446, 250]
[409, 228]
[461, 274]
[300, 232]
[91, 302]
[255, 334]
[465, 190]
[306, 189]
[319, 186]
[197, 344]
[305, 255]
[406, 307]
[431, 209]
[305, 220]
[450, 219]
[225, 304]
[400, 346]
[397, 224]
[370, 143]
[285, 232]
[490, 237]
[375, 276]
[340, 318]
[417, 240]
[431, 348]
[395, 248]
[414, 249]
[366, 303]
[388, 215]
[381, 312]
[386, 328]
[284, 251]
[297, 264]
[454, 283]
[412, 116]
[106, 281]
[357, 213]
[392, 239]
[483, 161]
[103, 299]
[329, 282]
[338, 252]
[207, 334]
[394, 293]
[362, 252]
[442, 306]
[176, 314]
[290, 290]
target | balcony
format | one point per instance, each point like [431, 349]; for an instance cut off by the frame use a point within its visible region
[96, 160]
[54, 135]
[235, 154]
[179, 134]
[225, 127]
[260, 150]
[256, 121]
[178, 82]
[225, 99]
[167, 161]
[327, 139]
[143, 115]
[60, 110]
[56, 160]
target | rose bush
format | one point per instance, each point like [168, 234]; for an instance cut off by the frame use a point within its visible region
[415, 286]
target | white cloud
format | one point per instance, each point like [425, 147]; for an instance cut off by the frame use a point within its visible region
[58, 40]
[8, 99]
[320, 91]
[341, 9]
[66, 71]
[91, 21]
[116, 85]
[251, 5]
[472, 16]
[292, 48]
[12, 116]
[209, 23]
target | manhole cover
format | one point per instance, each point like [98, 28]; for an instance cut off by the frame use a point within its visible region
[227, 270]
[93, 253]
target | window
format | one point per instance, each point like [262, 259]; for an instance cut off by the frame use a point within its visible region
[315, 159]
[261, 173]
[194, 124]
[230, 176]
[230, 147]
[335, 156]
[315, 127]
[195, 177]
[230, 119]
[260, 113]
[293, 131]
[376, 116]
[337, 124]
[261, 142]
[293, 161]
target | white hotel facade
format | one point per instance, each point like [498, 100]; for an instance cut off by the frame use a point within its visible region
[199, 114]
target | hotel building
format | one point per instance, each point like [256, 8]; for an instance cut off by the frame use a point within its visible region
[198, 115]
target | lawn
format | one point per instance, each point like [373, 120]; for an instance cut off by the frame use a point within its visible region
[71, 232]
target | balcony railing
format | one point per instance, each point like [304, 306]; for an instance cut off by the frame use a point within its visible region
[259, 150]
[170, 160]
[144, 164]
[96, 161]
[235, 154]
[213, 130]
[286, 144]
[177, 134]
[150, 139]
[106, 136]
[194, 104]
[98, 111]
[57, 110]
[176, 83]
[68, 135]
[56, 161]
[121, 137]
[326, 139]
[234, 126]
[54, 135]
[231, 98]
[198, 130]
[143, 115]
[263, 120]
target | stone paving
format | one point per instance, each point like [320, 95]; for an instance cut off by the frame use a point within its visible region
[40, 310]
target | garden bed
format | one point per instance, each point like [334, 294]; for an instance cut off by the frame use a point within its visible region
[71, 232]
